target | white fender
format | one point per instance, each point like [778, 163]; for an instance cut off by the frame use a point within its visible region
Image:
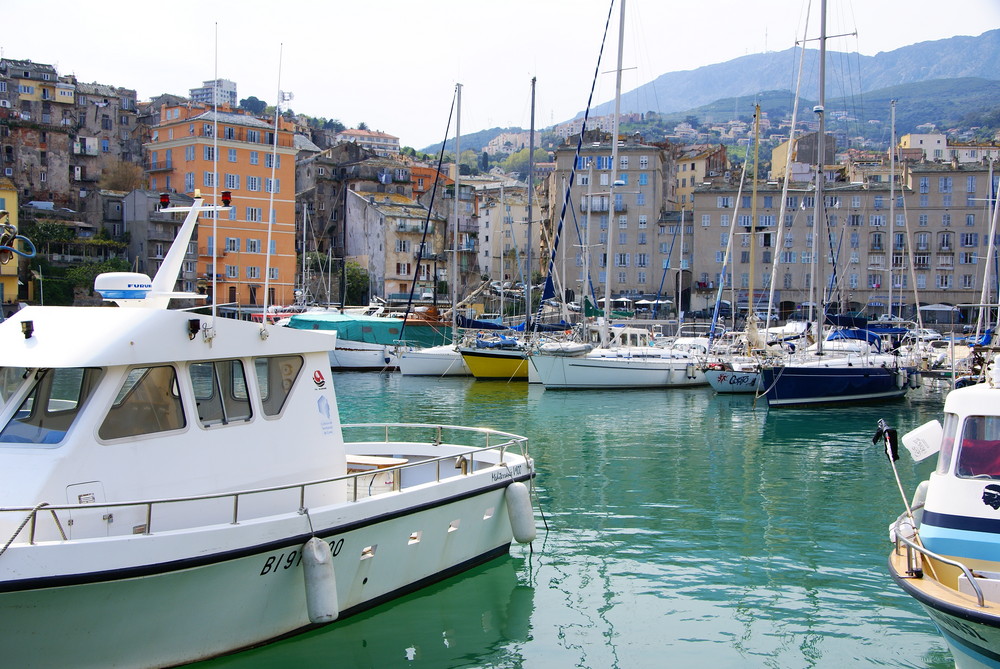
[901, 378]
[522, 516]
[321, 582]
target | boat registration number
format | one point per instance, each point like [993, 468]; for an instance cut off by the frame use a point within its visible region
[293, 558]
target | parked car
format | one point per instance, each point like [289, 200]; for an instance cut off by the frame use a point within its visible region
[924, 334]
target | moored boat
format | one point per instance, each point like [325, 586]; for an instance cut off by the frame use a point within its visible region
[177, 486]
[947, 546]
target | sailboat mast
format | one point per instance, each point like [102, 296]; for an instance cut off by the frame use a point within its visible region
[819, 287]
[753, 211]
[454, 228]
[531, 188]
[892, 195]
[605, 333]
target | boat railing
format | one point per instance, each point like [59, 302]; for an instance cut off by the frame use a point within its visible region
[914, 568]
[463, 460]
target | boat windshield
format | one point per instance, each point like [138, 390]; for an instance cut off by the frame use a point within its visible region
[979, 454]
[947, 443]
[51, 405]
[11, 379]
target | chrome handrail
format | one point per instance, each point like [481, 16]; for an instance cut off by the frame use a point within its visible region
[918, 571]
[510, 440]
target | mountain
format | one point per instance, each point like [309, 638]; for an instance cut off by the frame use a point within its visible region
[954, 57]
[950, 82]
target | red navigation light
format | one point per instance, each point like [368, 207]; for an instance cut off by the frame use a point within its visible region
[164, 200]
[227, 197]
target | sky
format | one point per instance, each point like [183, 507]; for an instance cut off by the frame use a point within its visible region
[394, 65]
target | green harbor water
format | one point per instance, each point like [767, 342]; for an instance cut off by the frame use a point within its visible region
[684, 528]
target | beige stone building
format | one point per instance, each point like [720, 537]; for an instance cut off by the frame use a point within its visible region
[629, 201]
[933, 240]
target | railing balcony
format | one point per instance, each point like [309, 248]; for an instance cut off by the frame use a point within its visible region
[206, 251]
[160, 166]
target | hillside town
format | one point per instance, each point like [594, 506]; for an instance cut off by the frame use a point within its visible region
[88, 167]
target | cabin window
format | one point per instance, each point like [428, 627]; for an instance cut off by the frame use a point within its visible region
[11, 379]
[148, 402]
[979, 453]
[220, 389]
[947, 443]
[275, 378]
[51, 405]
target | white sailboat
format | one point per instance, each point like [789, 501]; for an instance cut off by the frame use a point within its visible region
[443, 360]
[176, 486]
[851, 367]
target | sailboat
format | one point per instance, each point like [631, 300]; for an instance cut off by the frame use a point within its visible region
[444, 359]
[852, 365]
[503, 357]
[626, 357]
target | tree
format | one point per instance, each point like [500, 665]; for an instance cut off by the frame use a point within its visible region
[335, 125]
[362, 126]
[484, 162]
[121, 176]
[82, 276]
[253, 105]
[357, 283]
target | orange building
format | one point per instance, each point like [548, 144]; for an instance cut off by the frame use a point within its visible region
[182, 158]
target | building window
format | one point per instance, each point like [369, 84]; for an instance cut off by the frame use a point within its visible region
[271, 161]
[253, 272]
[254, 214]
[254, 158]
[253, 183]
[253, 136]
[253, 246]
[208, 179]
[232, 272]
[232, 181]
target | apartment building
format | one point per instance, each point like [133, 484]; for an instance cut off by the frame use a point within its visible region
[380, 143]
[194, 149]
[386, 233]
[220, 92]
[503, 232]
[697, 164]
[8, 214]
[629, 200]
[937, 146]
[934, 241]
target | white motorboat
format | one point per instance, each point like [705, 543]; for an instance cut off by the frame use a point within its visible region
[175, 486]
[947, 552]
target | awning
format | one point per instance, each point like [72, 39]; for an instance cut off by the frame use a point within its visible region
[938, 307]
[875, 304]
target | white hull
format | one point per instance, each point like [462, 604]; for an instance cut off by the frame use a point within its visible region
[562, 372]
[435, 361]
[729, 381]
[246, 579]
[358, 356]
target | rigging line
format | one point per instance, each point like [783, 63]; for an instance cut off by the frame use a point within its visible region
[272, 189]
[549, 287]
[430, 208]
[783, 206]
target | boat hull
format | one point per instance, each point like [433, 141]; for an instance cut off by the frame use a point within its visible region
[729, 381]
[805, 385]
[562, 372]
[436, 361]
[971, 632]
[248, 580]
[360, 356]
[496, 363]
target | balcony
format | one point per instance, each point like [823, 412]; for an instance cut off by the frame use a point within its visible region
[160, 166]
[206, 251]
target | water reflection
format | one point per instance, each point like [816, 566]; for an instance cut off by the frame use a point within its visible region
[480, 618]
